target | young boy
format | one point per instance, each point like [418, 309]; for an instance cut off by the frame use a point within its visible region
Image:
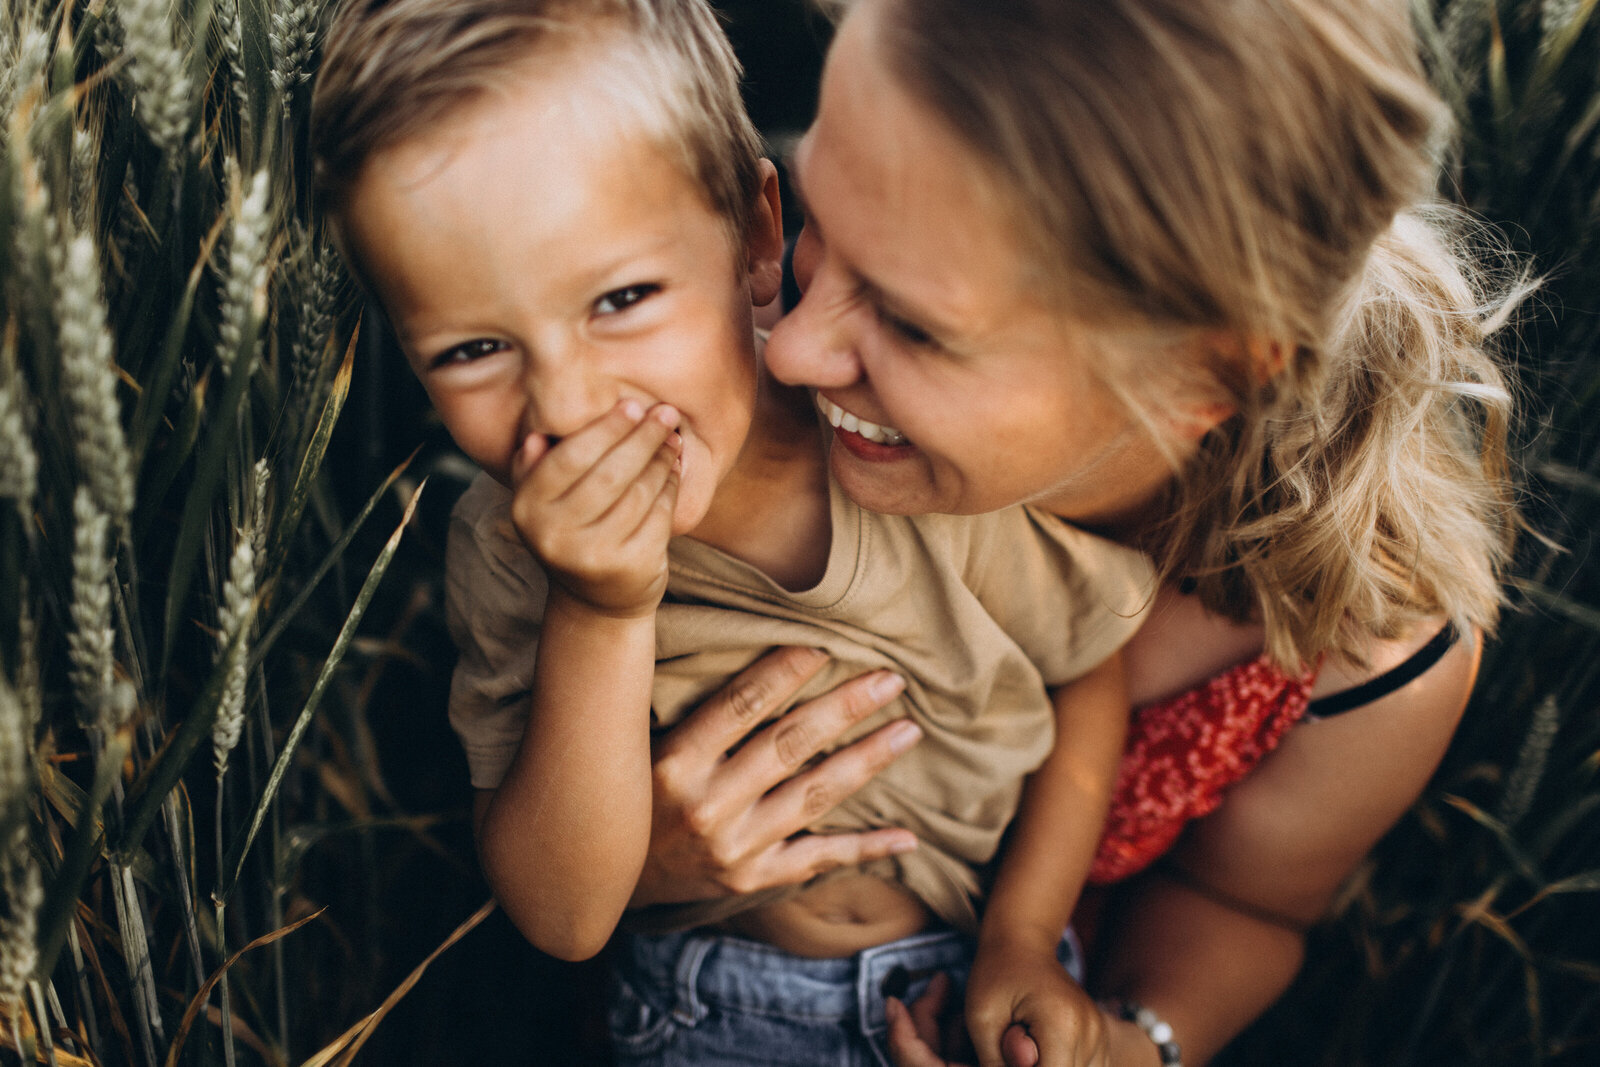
[563, 209]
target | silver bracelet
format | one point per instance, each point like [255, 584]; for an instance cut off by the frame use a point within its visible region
[1153, 1026]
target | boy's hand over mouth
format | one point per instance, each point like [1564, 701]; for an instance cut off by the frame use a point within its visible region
[596, 507]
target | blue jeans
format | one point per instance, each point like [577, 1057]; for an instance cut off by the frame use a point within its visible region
[702, 1000]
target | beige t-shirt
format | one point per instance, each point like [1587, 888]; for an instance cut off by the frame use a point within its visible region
[977, 613]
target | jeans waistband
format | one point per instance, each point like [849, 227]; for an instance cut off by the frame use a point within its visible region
[713, 970]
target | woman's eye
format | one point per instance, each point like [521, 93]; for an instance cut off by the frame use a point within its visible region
[474, 349]
[624, 298]
[908, 332]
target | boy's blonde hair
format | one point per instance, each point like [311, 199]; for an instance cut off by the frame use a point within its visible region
[392, 68]
[1242, 178]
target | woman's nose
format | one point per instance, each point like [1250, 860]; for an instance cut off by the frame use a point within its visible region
[814, 344]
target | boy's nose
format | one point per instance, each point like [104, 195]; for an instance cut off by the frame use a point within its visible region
[564, 399]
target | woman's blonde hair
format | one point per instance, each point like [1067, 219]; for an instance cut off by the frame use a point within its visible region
[1245, 179]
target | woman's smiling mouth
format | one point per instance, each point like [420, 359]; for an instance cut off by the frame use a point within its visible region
[843, 420]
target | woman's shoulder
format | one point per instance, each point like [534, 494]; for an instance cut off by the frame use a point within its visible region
[1433, 650]
[1182, 646]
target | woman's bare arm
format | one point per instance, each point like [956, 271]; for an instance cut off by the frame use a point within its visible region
[1210, 952]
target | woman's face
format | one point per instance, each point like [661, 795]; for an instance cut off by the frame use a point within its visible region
[921, 320]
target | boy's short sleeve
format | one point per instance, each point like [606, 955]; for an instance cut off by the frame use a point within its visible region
[494, 601]
[1068, 597]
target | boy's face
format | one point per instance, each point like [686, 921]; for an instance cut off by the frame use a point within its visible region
[542, 260]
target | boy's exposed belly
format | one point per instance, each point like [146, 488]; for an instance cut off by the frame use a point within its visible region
[838, 917]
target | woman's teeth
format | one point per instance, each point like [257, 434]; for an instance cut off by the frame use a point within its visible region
[838, 416]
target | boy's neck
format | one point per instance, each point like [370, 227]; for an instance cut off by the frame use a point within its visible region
[771, 510]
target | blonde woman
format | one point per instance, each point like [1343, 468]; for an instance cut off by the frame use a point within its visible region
[1165, 268]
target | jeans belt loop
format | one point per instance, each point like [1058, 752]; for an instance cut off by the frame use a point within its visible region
[688, 1010]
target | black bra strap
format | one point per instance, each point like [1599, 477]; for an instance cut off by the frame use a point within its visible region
[1389, 680]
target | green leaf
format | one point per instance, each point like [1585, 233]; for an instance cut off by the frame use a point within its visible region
[259, 652]
[153, 397]
[236, 858]
[196, 520]
[162, 773]
[311, 462]
[153, 486]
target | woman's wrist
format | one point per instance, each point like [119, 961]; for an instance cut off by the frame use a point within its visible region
[1129, 1046]
[1140, 1036]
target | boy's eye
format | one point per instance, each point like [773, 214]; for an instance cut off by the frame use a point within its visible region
[624, 298]
[466, 353]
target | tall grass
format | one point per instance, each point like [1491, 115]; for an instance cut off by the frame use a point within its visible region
[176, 344]
[193, 644]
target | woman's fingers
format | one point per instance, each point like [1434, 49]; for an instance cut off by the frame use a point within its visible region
[906, 1046]
[788, 744]
[808, 796]
[809, 855]
[914, 1038]
[731, 821]
[1017, 1048]
[704, 738]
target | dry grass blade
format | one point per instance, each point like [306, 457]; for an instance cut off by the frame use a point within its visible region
[1508, 843]
[235, 863]
[59, 1055]
[198, 1002]
[349, 1043]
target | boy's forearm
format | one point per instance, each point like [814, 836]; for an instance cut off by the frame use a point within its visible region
[1064, 803]
[564, 837]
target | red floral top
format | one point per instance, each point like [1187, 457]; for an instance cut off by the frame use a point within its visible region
[1183, 754]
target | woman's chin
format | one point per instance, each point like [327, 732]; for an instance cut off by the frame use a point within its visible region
[889, 482]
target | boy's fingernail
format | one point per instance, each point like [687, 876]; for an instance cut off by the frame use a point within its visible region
[903, 734]
[903, 845]
[666, 414]
[633, 410]
[886, 685]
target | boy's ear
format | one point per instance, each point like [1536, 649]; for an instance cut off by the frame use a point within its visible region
[764, 241]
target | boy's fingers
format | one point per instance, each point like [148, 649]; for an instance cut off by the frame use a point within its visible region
[606, 479]
[926, 1009]
[636, 513]
[532, 449]
[568, 459]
